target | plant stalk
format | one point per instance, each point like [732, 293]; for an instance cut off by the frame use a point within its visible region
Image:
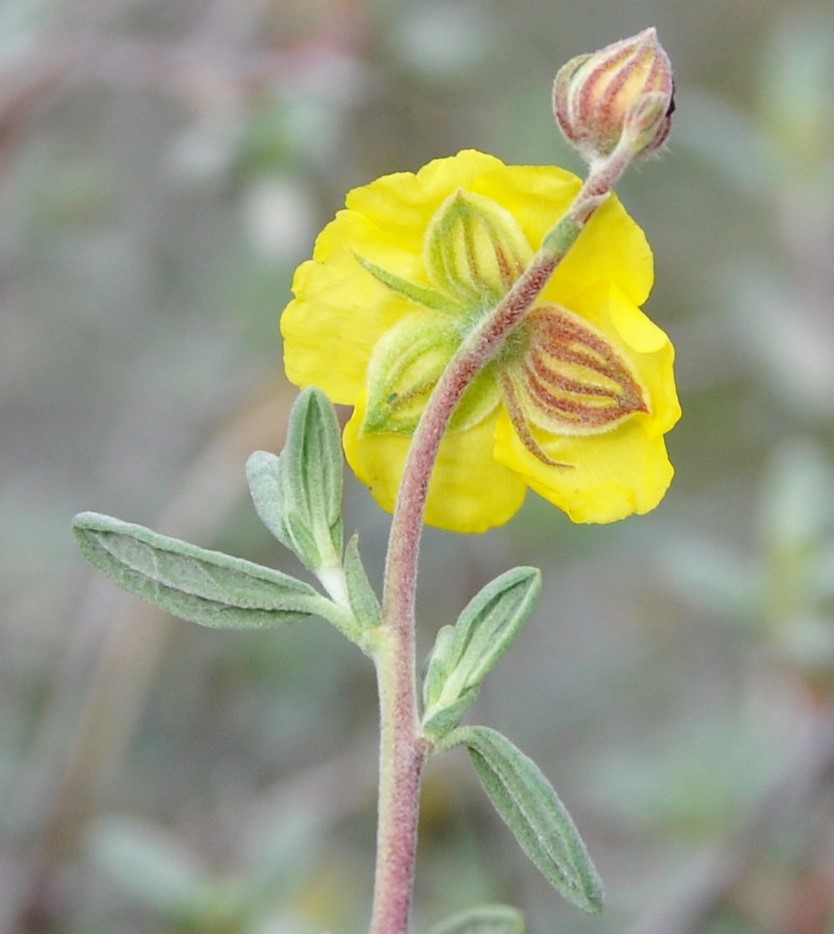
[403, 748]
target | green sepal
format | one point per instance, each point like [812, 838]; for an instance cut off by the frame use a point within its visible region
[406, 365]
[363, 599]
[485, 919]
[298, 495]
[419, 294]
[475, 249]
[464, 654]
[205, 587]
[531, 808]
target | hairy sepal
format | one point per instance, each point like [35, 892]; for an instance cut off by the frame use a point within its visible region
[475, 249]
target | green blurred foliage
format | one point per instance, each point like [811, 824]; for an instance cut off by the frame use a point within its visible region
[165, 165]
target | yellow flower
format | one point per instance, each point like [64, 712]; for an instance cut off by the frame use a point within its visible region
[576, 405]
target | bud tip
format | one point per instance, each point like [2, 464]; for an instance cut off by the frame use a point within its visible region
[622, 94]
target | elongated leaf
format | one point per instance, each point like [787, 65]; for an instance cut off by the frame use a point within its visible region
[263, 474]
[205, 587]
[485, 919]
[440, 662]
[298, 496]
[492, 620]
[527, 802]
[464, 654]
[363, 599]
[440, 720]
[314, 456]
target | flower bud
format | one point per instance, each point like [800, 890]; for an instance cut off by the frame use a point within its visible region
[623, 92]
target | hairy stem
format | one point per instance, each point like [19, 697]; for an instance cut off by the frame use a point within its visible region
[403, 749]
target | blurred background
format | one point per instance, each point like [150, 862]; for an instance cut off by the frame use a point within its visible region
[164, 165]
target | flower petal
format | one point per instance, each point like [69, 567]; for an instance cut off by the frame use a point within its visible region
[616, 473]
[612, 476]
[611, 250]
[330, 329]
[340, 310]
[401, 205]
[469, 491]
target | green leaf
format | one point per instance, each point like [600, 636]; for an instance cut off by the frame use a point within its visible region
[527, 802]
[363, 599]
[438, 721]
[266, 487]
[205, 587]
[298, 496]
[441, 660]
[464, 654]
[485, 919]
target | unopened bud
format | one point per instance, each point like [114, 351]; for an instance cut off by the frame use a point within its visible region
[624, 91]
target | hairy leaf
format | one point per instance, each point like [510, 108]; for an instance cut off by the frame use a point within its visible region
[464, 654]
[298, 495]
[205, 587]
[363, 599]
[485, 919]
[527, 802]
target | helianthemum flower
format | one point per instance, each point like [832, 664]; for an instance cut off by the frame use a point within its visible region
[576, 404]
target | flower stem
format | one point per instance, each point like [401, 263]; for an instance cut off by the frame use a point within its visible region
[403, 749]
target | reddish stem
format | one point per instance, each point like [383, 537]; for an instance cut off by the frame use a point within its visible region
[403, 749]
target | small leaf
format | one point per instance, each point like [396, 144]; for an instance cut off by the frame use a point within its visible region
[464, 654]
[363, 599]
[485, 919]
[205, 587]
[298, 495]
[263, 474]
[528, 804]
[314, 452]
[438, 721]
[440, 661]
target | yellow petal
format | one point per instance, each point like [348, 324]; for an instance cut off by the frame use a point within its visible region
[642, 343]
[536, 195]
[340, 310]
[611, 250]
[612, 475]
[469, 491]
[330, 329]
[653, 357]
[619, 472]
[401, 205]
